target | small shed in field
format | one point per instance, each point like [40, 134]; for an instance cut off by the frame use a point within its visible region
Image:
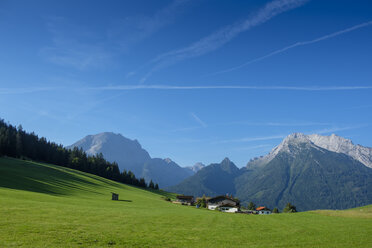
[115, 197]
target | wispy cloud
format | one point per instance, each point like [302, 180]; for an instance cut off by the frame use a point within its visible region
[131, 30]
[297, 44]
[282, 136]
[74, 46]
[28, 90]
[248, 148]
[180, 87]
[274, 124]
[250, 139]
[198, 120]
[83, 47]
[337, 129]
[229, 87]
[222, 36]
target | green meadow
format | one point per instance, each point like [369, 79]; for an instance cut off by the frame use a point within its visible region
[45, 205]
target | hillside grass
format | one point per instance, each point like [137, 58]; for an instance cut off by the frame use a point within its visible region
[50, 206]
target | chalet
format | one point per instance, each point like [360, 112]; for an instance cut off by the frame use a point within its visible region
[223, 203]
[263, 210]
[185, 199]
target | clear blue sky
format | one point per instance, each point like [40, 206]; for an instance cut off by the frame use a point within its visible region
[193, 80]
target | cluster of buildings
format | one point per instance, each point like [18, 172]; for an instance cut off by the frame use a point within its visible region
[223, 203]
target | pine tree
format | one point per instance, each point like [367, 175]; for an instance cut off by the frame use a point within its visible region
[19, 143]
[289, 208]
[251, 206]
[151, 185]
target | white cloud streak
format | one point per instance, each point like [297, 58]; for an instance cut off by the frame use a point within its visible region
[337, 129]
[222, 36]
[198, 120]
[297, 44]
[131, 30]
[248, 148]
[250, 139]
[282, 136]
[229, 87]
[10, 91]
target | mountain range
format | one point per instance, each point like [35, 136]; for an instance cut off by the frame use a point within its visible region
[130, 155]
[310, 171]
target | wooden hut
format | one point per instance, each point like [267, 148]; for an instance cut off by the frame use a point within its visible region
[115, 197]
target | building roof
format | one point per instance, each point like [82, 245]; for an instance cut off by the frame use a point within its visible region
[228, 205]
[185, 197]
[262, 208]
[221, 198]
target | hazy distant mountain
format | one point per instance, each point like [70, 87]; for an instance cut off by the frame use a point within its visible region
[165, 172]
[131, 156]
[299, 170]
[196, 167]
[214, 179]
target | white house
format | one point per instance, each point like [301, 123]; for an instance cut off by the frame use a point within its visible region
[228, 208]
[223, 203]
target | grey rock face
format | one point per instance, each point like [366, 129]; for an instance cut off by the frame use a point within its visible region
[131, 156]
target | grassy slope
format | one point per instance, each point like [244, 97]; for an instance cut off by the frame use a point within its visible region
[49, 206]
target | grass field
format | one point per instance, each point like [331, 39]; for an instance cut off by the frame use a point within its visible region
[49, 206]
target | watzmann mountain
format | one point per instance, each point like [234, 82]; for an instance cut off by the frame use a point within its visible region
[131, 156]
[310, 171]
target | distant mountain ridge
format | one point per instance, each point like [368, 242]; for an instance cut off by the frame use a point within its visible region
[299, 170]
[130, 155]
[332, 143]
[196, 167]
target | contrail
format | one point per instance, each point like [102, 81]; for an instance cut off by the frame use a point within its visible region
[297, 44]
[12, 91]
[197, 119]
[222, 36]
[229, 87]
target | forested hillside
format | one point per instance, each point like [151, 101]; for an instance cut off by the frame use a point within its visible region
[17, 143]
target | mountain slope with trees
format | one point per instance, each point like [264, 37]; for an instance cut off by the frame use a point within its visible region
[296, 171]
[215, 179]
[17, 143]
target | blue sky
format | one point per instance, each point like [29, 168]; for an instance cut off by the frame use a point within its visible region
[193, 80]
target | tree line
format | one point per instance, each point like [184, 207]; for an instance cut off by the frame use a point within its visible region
[289, 208]
[17, 143]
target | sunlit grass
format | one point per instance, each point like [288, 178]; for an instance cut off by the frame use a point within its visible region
[50, 206]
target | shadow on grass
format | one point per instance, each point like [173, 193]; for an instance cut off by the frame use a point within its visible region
[29, 176]
[125, 200]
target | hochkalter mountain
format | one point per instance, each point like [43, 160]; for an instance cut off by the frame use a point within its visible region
[310, 171]
[131, 156]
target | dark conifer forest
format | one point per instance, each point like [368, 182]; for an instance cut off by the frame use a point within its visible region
[17, 143]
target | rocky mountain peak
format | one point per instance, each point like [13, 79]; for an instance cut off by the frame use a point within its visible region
[168, 160]
[198, 166]
[332, 143]
[339, 144]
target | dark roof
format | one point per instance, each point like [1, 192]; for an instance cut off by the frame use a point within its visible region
[228, 205]
[185, 197]
[221, 198]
